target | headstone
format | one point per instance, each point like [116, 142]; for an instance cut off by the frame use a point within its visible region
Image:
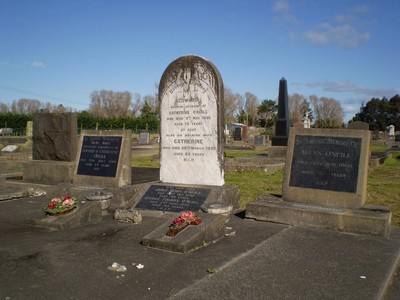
[10, 149]
[104, 158]
[192, 123]
[259, 140]
[144, 138]
[359, 125]
[282, 124]
[307, 121]
[54, 136]
[325, 184]
[391, 131]
[237, 134]
[29, 129]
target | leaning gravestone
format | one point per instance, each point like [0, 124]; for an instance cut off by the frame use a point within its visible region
[325, 184]
[192, 112]
[104, 158]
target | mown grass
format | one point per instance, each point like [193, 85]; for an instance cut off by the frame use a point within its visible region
[383, 186]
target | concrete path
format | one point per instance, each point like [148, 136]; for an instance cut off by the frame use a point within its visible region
[261, 261]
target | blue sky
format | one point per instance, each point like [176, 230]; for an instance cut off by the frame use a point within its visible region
[61, 51]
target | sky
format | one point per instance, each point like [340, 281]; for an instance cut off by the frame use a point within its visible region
[62, 51]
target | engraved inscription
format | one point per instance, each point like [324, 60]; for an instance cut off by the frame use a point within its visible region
[326, 163]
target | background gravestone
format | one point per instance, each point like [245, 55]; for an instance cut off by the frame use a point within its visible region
[192, 117]
[54, 136]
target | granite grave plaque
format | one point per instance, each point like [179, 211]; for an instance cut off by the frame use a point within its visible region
[99, 155]
[327, 167]
[104, 158]
[326, 163]
[173, 198]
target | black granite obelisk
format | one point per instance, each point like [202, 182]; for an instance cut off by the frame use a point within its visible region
[282, 124]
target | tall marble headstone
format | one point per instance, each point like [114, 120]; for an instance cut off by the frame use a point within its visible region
[282, 124]
[192, 117]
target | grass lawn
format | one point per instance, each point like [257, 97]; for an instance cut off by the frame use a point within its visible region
[383, 182]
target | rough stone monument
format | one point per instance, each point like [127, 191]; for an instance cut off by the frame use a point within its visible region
[54, 141]
[325, 184]
[192, 123]
[54, 136]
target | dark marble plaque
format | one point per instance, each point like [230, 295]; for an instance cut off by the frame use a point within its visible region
[325, 163]
[173, 198]
[99, 156]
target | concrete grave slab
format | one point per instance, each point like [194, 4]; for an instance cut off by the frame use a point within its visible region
[190, 238]
[85, 213]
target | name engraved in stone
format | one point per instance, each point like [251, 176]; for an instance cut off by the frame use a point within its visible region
[172, 198]
[99, 156]
[326, 163]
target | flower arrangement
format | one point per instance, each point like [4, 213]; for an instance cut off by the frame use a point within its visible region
[185, 219]
[60, 206]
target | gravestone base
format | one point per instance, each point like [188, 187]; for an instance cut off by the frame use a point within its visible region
[85, 213]
[48, 171]
[217, 194]
[191, 238]
[372, 220]
[277, 152]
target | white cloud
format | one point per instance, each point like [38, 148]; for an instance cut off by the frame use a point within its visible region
[344, 35]
[282, 7]
[38, 64]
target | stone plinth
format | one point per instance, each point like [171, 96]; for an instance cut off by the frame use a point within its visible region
[48, 172]
[367, 220]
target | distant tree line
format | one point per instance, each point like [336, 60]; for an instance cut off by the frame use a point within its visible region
[380, 113]
[114, 110]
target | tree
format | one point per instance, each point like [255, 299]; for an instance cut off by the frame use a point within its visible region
[136, 104]
[251, 106]
[380, 113]
[107, 103]
[328, 112]
[25, 106]
[267, 112]
[394, 112]
[233, 103]
[298, 107]
[3, 108]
